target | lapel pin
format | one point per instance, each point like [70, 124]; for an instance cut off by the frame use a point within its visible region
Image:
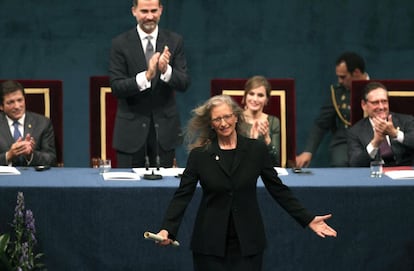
[217, 158]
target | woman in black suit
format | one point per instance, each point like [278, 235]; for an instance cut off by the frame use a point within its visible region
[228, 232]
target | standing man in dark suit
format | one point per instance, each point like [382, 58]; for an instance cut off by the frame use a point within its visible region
[147, 66]
[334, 116]
[26, 138]
[381, 135]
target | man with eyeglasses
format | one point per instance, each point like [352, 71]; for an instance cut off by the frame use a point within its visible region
[381, 135]
[335, 115]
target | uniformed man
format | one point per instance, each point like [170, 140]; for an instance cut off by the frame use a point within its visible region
[334, 116]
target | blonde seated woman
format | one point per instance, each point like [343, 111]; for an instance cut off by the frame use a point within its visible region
[257, 124]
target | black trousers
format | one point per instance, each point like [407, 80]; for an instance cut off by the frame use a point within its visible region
[233, 261]
[137, 159]
[151, 149]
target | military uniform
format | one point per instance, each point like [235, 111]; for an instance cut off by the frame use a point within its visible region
[334, 116]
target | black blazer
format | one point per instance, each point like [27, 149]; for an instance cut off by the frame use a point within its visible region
[361, 133]
[229, 192]
[135, 108]
[41, 129]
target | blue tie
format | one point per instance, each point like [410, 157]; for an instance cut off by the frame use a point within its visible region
[16, 133]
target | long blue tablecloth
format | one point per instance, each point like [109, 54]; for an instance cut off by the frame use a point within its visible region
[86, 223]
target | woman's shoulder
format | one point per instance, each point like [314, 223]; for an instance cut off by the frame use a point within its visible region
[200, 150]
[272, 118]
[273, 121]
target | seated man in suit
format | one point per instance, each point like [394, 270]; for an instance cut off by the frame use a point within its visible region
[381, 135]
[27, 138]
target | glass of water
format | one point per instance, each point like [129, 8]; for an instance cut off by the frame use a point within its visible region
[376, 169]
[104, 165]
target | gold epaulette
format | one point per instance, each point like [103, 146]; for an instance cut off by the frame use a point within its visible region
[335, 104]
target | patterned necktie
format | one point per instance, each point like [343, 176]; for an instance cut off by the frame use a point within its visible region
[16, 133]
[149, 51]
[385, 150]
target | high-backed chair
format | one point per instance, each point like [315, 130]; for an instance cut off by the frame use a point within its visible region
[400, 92]
[102, 119]
[45, 97]
[281, 104]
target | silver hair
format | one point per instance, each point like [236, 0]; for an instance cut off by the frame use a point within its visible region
[199, 131]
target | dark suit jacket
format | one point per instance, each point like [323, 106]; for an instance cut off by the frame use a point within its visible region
[361, 133]
[135, 108]
[41, 129]
[226, 193]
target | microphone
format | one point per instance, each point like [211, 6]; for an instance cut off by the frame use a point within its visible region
[153, 176]
[157, 157]
[147, 163]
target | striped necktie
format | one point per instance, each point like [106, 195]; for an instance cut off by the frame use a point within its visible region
[149, 50]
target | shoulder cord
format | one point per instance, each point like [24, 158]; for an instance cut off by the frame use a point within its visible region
[337, 108]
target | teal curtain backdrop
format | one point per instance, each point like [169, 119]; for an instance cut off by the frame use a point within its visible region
[70, 41]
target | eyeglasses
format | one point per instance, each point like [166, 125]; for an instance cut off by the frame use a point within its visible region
[377, 102]
[226, 118]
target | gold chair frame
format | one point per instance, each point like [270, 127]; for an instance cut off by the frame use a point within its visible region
[46, 97]
[103, 91]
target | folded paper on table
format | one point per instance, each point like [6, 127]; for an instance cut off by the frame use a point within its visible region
[174, 171]
[6, 170]
[121, 176]
[400, 174]
[386, 169]
[155, 237]
[281, 171]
